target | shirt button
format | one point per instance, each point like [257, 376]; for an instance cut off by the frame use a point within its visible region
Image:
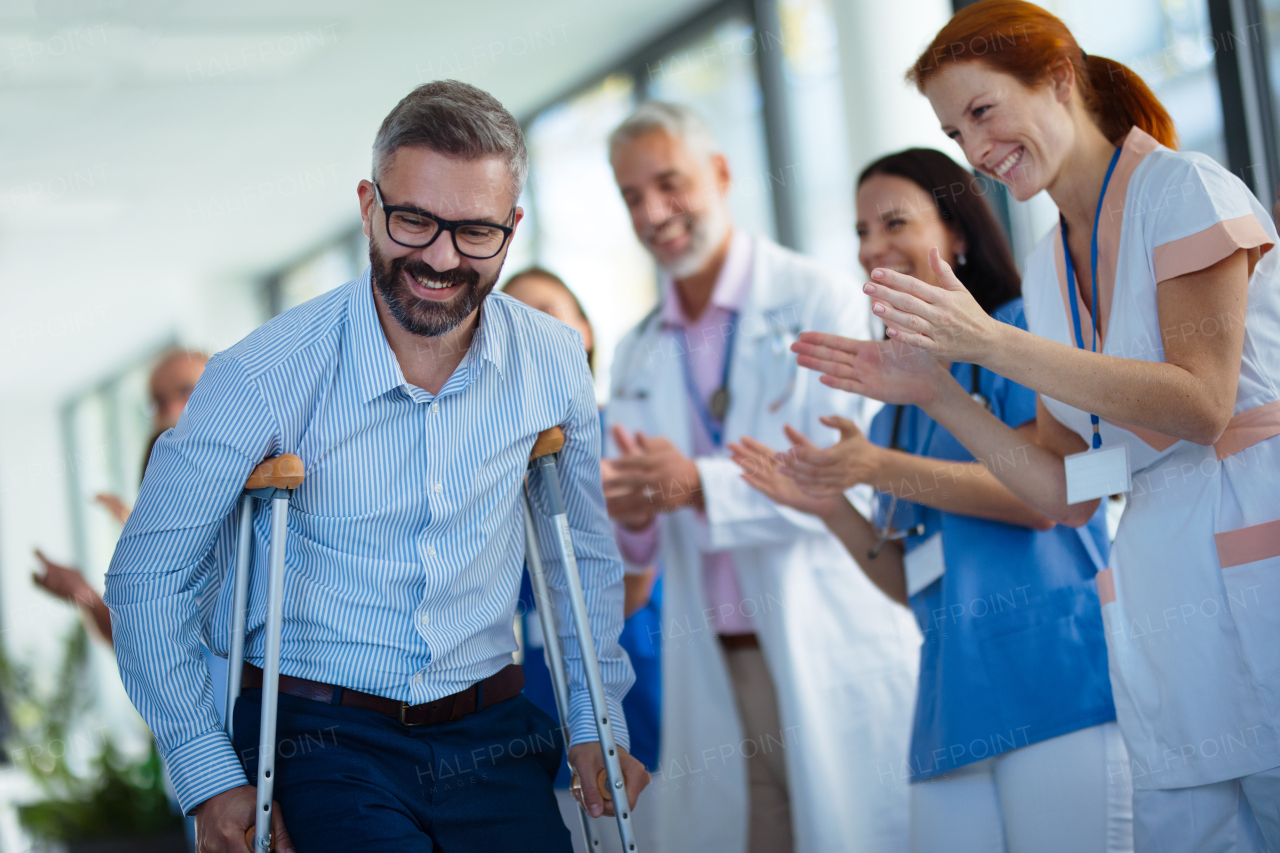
[431, 551]
[424, 620]
[439, 488]
[417, 678]
[435, 407]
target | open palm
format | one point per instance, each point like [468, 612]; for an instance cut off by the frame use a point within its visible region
[761, 469]
[889, 371]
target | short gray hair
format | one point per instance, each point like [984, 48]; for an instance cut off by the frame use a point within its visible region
[676, 120]
[453, 118]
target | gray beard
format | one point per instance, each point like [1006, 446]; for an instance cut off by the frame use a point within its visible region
[707, 233]
[419, 316]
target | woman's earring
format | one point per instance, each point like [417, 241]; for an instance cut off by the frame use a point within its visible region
[961, 260]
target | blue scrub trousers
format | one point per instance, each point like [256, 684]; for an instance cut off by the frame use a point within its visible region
[351, 779]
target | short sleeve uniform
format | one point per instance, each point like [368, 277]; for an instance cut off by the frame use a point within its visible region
[1013, 650]
[1191, 600]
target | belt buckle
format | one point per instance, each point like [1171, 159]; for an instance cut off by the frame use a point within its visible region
[404, 706]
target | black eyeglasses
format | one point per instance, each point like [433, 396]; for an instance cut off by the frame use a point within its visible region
[417, 229]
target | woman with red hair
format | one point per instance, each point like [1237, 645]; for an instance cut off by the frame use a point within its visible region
[1153, 340]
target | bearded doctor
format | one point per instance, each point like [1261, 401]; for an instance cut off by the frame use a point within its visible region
[788, 678]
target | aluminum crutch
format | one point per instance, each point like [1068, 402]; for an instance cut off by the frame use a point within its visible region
[543, 460]
[274, 481]
[552, 652]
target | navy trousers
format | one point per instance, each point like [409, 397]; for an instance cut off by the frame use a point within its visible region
[351, 779]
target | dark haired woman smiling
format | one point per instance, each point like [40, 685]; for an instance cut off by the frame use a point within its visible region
[1014, 747]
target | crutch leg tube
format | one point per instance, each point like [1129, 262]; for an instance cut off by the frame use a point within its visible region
[239, 609]
[545, 464]
[273, 481]
[551, 650]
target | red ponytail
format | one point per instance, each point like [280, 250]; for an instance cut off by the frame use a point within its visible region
[1023, 40]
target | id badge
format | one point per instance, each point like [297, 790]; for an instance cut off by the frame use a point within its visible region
[1098, 474]
[924, 564]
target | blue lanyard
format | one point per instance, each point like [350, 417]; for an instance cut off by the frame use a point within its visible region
[1093, 284]
[914, 529]
[715, 428]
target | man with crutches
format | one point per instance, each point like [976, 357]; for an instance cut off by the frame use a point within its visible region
[413, 401]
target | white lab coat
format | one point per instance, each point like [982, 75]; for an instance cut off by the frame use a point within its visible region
[843, 656]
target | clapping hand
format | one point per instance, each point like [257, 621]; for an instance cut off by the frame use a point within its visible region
[650, 476]
[944, 321]
[762, 470]
[882, 370]
[827, 471]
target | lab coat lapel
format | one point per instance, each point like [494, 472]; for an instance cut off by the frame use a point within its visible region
[759, 364]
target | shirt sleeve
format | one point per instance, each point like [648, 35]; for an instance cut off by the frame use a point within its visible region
[599, 566]
[1195, 213]
[163, 569]
[1012, 403]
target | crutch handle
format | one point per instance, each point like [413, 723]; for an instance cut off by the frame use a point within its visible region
[548, 441]
[278, 472]
[602, 785]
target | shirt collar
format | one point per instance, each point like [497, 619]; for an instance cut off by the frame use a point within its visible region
[378, 371]
[732, 284]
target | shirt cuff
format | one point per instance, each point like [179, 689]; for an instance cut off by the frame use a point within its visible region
[203, 768]
[638, 547]
[582, 721]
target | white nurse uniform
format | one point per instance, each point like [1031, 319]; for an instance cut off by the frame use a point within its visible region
[1191, 601]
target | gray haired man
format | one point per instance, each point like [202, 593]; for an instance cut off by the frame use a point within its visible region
[787, 677]
[413, 396]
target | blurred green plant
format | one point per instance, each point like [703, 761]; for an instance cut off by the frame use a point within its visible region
[117, 797]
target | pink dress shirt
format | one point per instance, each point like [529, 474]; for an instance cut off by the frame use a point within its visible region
[707, 348]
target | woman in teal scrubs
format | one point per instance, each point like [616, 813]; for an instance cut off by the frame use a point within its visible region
[1014, 746]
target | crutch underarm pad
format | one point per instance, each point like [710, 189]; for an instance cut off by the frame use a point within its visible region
[548, 441]
[278, 472]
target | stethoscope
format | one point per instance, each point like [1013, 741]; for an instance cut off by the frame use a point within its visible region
[886, 533]
[780, 340]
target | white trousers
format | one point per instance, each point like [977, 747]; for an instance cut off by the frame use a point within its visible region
[1236, 816]
[1069, 794]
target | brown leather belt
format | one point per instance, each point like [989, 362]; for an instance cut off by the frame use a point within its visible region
[505, 684]
[736, 642]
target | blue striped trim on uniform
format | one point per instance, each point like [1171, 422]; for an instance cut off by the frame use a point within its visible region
[405, 541]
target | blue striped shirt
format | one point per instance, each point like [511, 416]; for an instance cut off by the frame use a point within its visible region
[406, 539]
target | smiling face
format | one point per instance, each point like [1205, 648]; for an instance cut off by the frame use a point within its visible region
[898, 223]
[676, 198]
[431, 290]
[1018, 135]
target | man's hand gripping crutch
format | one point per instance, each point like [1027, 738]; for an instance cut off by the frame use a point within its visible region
[600, 769]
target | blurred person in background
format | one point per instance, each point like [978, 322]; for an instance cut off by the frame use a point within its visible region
[788, 678]
[169, 387]
[1015, 746]
[642, 605]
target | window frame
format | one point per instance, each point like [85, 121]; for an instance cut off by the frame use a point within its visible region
[763, 17]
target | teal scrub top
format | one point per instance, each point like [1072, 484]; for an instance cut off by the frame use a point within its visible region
[1014, 651]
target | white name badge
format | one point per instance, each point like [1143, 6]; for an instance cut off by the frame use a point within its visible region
[1098, 474]
[924, 564]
